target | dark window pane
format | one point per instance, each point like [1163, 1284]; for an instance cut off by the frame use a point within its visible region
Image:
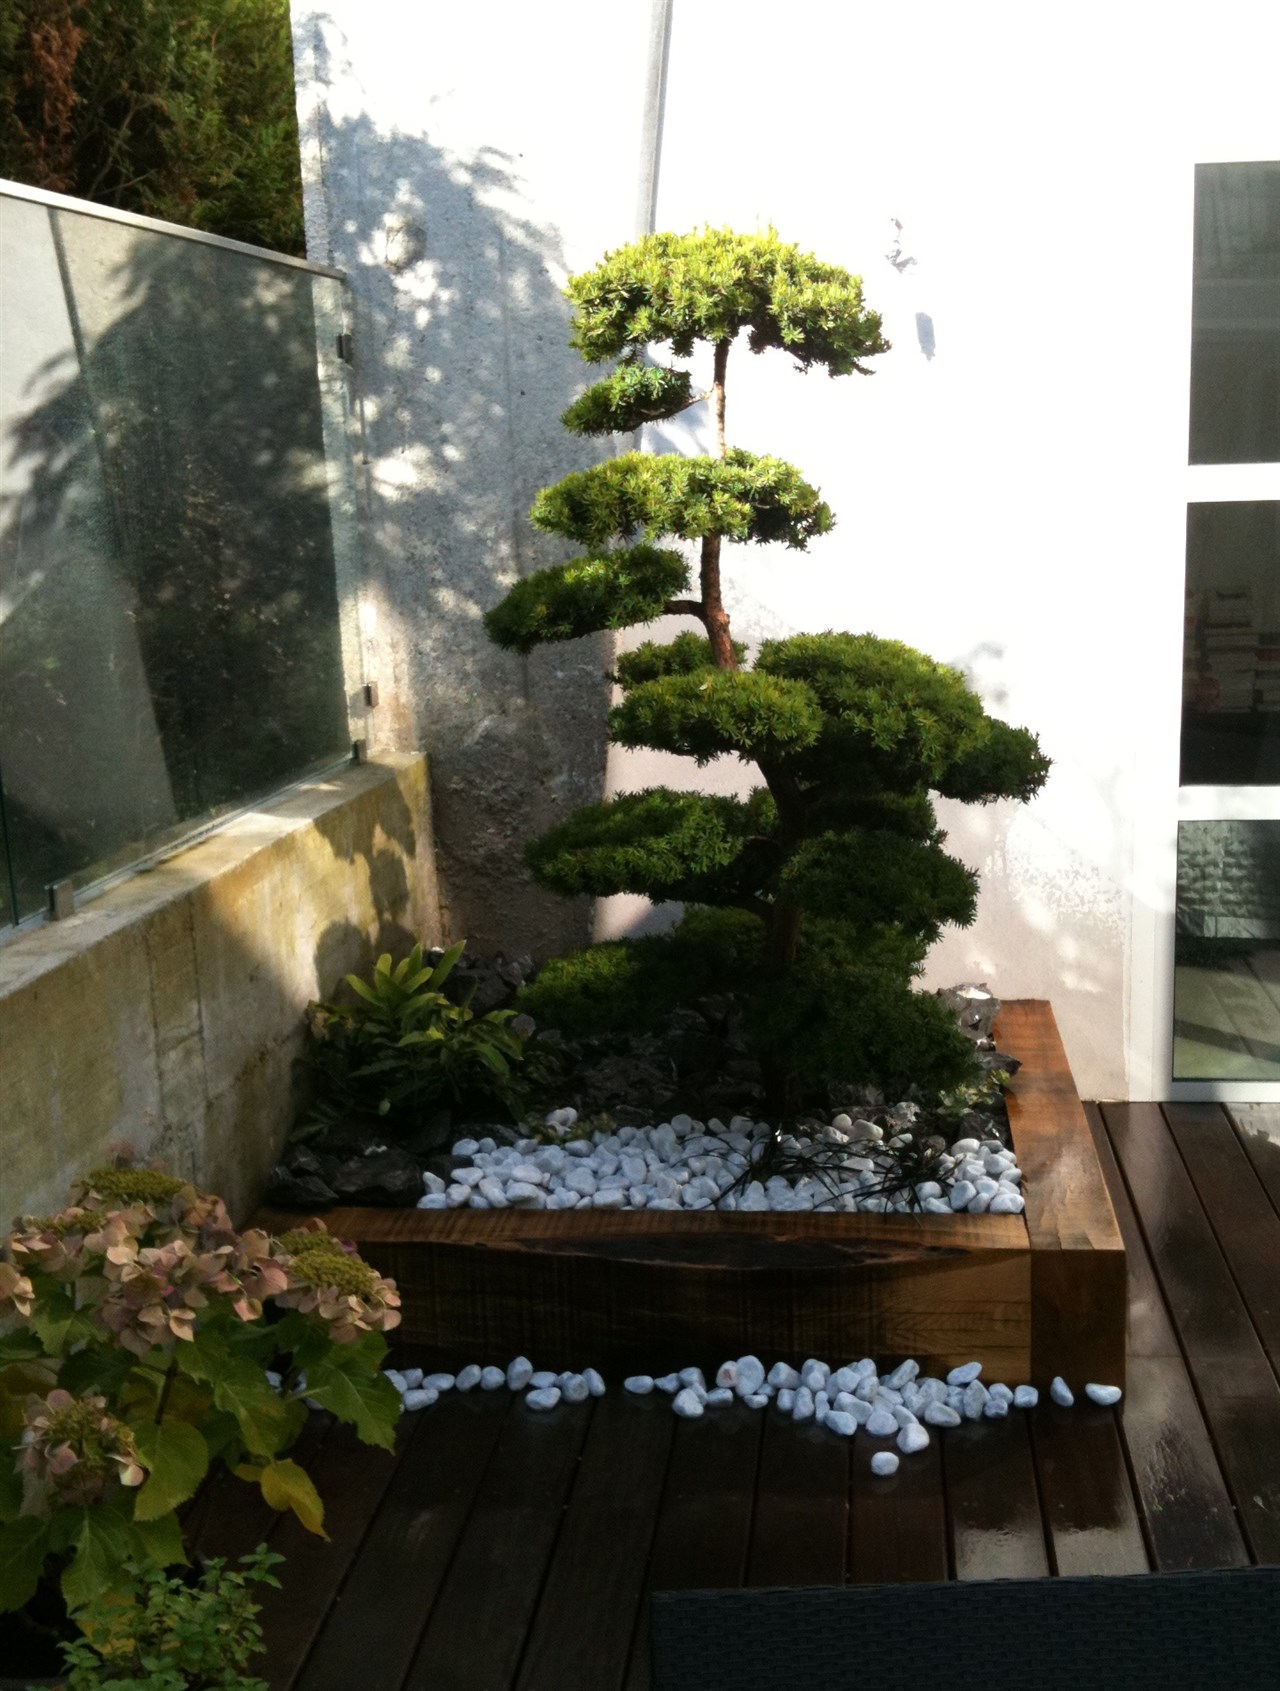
[1226, 1000]
[1235, 346]
[169, 623]
[1231, 651]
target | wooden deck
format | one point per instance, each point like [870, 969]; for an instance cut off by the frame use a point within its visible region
[501, 1549]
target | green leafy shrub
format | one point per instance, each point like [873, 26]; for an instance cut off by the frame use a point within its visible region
[834, 866]
[161, 1633]
[404, 1048]
[144, 1339]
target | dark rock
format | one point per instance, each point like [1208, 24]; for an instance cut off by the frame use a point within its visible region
[299, 1191]
[389, 1178]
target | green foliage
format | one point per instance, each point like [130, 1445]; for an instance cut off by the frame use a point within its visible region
[878, 880]
[179, 109]
[583, 597]
[836, 864]
[160, 1633]
[742, 496]
[668, 845]
[710, 285]
[633, 395]
[629, 984]
[706, 715]
[137, 1331]
[403, 1048]
[687, 654]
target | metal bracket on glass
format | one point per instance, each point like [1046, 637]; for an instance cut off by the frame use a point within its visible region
[359, 751]
[61, 896]
[370, 692]
[346, 348]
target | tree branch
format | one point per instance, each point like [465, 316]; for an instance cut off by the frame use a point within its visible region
[685, 608]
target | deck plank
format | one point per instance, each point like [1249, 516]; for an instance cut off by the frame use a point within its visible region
[703, 1532]
[352, 1479]
[898, 1523]
[399, 1569]
[1233, 1378]
[1091, 1517]
[1258, 1127]
[800, 1533]
[993, 1501]
[589, 1610]
[476, 1631]
[1187, 1512]
[1245, 1225]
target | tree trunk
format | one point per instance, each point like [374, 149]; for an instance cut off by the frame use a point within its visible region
[714, 614]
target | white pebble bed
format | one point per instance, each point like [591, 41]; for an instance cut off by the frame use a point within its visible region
[690, 1165]
[900, 1408]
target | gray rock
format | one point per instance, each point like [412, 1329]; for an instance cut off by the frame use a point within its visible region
[390, 1179]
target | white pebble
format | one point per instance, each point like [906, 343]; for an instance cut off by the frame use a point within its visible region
[491, 1378]
[903, 1374]
[727, 1375]
[466, 1148]
[881, 1424]
[1103, 1395]
[975, 1400]
[595, 1381]
[720, 1398]
[1007, 1203]
[468, 1377]
[639, 1384]
[439, 1382]
[693, 1377]
[434, 1201]
[838, 1421]
[755, 1400]
[786, 1399]
[669, 1383]
[941, 1415]
[965, 1374]
[802, 1407]
[912, 1438]
[397, 1379]
[519, 1373]
[544, 1397]
[1061, 1392]
[884, 1462]
[995, 1408]
[540, 1381]
[783, 1377]
[421, 1398]
[687, 1404]
[1025, 1397]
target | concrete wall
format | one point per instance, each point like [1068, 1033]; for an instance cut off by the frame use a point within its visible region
[1015, 185]
[458, 165]
[168, 1011]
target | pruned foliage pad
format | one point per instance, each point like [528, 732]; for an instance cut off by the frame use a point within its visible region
[815, 900]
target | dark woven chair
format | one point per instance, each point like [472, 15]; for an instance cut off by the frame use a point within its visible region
[1168, 1632]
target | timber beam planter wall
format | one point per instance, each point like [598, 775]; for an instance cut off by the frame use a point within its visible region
[1031, 1295]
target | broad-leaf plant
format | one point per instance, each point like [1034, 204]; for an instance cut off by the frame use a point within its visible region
[143, 1340]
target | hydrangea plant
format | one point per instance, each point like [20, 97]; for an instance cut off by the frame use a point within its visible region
[817, 895]
[144, 1338]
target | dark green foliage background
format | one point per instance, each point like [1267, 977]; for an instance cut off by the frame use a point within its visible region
[178, 109]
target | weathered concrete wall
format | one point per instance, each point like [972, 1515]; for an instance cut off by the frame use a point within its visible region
[458, 164]
[168, 1012]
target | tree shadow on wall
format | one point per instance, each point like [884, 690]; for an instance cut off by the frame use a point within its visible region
[463, 365]
[169, 638]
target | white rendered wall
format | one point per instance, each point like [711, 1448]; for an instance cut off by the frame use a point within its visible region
[1010, 487]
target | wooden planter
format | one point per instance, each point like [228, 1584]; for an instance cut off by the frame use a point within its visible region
[1031, 1295]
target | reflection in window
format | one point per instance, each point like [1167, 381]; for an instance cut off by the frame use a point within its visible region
[1235, 349]
[1226, 998]
[1231, 649]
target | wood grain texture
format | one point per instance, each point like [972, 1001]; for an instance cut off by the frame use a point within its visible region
[1078, 1279]
[1028, 1296]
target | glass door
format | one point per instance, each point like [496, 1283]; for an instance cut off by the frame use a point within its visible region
[1226, 947]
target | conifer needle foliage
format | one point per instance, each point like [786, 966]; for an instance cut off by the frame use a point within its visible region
[816, 898]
